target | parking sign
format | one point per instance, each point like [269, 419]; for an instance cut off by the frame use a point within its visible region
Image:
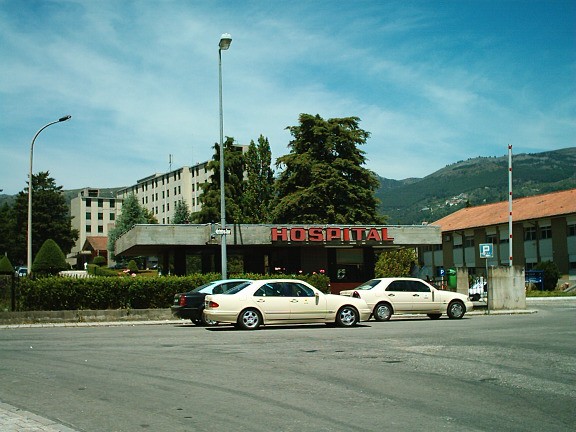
[486, 250]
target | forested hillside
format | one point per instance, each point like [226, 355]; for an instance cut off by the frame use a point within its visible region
[473, 182]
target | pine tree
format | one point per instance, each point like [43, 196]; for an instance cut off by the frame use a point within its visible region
[181, 213]
[233, 190]
[132, 213]
[50, 259]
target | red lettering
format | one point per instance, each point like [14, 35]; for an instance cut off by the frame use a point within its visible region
[358, 233]
[385, 235]
[333, 234]
[346, 234]
[315, 234]
[373, 234]
[279, 234]
[297, 234]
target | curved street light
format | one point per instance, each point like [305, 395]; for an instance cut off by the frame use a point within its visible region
[29, 237]
[225, 41]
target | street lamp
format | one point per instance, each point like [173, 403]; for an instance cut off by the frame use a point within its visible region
[29, 244]
[225, 41]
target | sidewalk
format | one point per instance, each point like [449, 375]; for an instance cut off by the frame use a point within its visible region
[13, 419]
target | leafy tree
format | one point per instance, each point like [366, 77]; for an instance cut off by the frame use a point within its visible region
[7, 231]
[182, 213]
[132, 213]
[6, 266]
[395, 263]
[551, 274]
[323, 180]
[50, 259]
[259, 188]
[233, 186]
[150, 218]
[50, 217]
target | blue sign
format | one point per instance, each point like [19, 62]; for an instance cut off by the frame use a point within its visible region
[486, 250]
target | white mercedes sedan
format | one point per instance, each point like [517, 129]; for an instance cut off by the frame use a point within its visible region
[388, 296]
[283, 301]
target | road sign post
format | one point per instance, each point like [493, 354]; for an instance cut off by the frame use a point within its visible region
[486, 251]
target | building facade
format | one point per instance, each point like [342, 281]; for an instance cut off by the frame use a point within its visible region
[159, 193]
[93, 215]
[543, 229]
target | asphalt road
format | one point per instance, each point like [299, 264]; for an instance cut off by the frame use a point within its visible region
[482, 373]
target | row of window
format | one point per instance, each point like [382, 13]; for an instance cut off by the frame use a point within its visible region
[530, 234]
[112, 216]
[100, 202]
[89, 229]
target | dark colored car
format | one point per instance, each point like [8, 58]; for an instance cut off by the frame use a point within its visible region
[190, 305]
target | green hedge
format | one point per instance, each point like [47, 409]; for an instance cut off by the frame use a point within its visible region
[63, 293]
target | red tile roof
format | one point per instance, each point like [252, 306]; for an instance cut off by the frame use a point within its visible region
[97, 243]
[528, 208]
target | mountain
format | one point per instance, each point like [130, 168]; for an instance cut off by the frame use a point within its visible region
[476, 181]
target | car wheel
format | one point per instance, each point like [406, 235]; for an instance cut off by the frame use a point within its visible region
[196, 321]
[434, 316]
[249, 319]
[347, 317]
[456, 310]
[382, 312]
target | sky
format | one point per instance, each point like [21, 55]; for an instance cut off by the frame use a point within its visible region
[434, 82]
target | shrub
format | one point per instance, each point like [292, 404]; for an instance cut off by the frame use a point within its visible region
[551, 274]
[99, 260]
[395, 263]
[132, 266]
[58, 293]
[6, 266]
[50, 259]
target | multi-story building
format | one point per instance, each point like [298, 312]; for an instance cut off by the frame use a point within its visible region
[159, 193]
[93, 215]
[543, 229]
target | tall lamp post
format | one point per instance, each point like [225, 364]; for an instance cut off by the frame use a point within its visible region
[29, 242]
[225, 41]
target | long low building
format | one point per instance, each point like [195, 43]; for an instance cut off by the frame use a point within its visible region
[346, 253]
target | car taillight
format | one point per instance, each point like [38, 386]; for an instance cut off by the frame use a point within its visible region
[356, 294]
[213, 304]
[182, 300]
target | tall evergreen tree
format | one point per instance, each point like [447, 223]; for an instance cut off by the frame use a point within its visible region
[233, 186]
[323, 179]
[259, 189]
[132, 213]
[181, 213]
[50, 217]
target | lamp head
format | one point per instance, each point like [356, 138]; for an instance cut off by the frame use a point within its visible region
[225, 41]
[67, 117]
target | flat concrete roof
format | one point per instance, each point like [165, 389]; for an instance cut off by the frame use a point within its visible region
[155, 239]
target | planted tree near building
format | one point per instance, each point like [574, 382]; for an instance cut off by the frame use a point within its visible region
[233, 186]
[50, 217]
[395, 263]
[182, 214]
[259, 189]
[322, 179]
[132, 213]
[50, 259]
[7, 231]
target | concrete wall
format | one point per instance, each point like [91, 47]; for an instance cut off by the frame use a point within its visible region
[462, 280]
[506, 288]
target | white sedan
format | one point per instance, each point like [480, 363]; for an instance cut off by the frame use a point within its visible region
[283, 301]
[388, 296]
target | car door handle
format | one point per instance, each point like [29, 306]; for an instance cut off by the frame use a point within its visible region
[261, 300]
[415, 295]
[391, 295]
[293, 301]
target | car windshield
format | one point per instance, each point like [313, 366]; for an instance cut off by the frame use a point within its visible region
[368, 285]
[238, 288]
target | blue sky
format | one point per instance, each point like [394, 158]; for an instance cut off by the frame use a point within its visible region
[434, 82]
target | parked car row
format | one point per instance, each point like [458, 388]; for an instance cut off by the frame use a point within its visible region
[249, 304]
